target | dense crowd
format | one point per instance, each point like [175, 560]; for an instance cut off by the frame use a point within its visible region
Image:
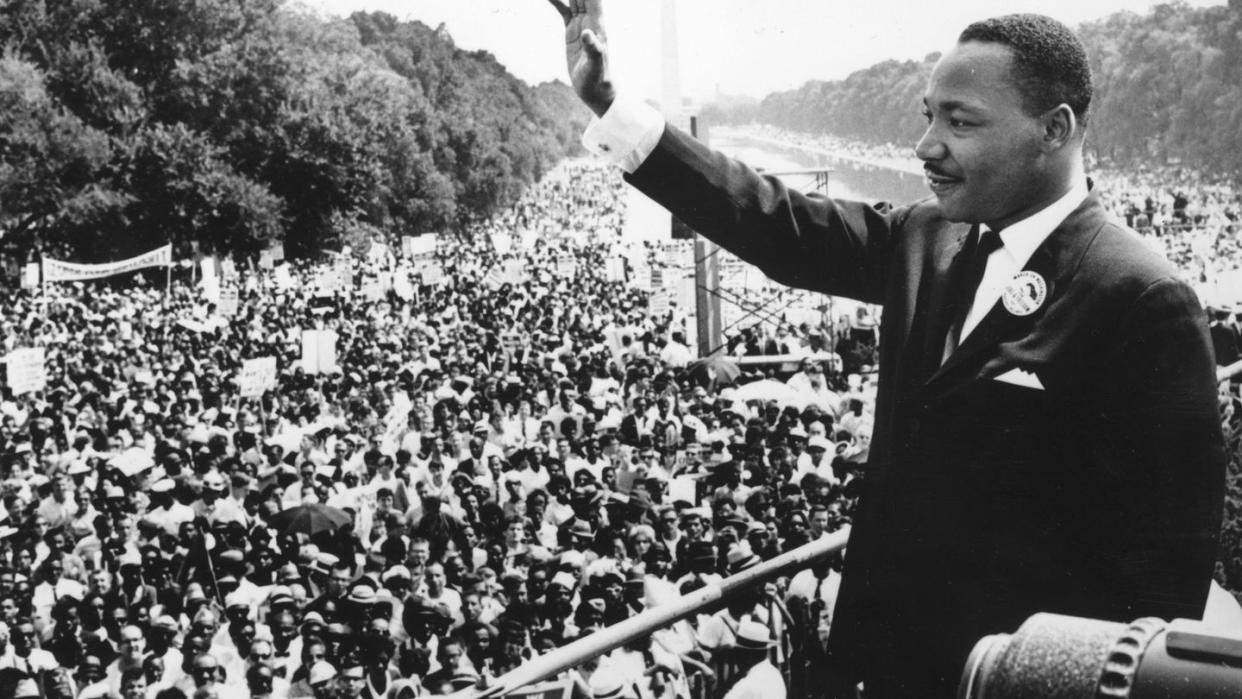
[506, 449]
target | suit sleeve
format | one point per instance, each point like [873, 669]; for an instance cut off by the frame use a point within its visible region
[805, 241]
[1160, 459]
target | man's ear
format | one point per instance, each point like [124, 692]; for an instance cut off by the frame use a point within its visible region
[1060, 126]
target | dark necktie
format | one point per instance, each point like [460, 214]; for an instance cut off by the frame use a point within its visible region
[979, 247]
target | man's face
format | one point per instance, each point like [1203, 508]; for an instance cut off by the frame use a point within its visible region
[819, 522]
[352, 681]
[133, 644]
[204, 671]
[435, 579]
[982, 152]
[135, 687]
[24, 639]
[338, 582]
[420, 553]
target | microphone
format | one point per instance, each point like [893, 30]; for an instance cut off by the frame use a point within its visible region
[1052, 656]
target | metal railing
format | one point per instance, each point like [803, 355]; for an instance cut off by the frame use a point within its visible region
[638, 626]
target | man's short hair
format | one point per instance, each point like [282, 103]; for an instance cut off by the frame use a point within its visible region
[1049, 60]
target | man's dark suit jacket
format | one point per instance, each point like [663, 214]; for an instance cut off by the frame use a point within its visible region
[985, 502]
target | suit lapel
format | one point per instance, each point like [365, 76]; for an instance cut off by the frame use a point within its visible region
[1055, 260]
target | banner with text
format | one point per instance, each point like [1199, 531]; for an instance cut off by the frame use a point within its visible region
[59, 271]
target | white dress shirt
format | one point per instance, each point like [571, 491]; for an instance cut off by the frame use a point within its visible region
[1020, 241]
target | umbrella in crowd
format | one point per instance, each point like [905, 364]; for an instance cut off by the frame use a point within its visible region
[769, 389]
[309, 519]
[714, 370]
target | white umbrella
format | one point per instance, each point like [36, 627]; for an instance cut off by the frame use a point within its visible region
[132, 461]
[768, 389]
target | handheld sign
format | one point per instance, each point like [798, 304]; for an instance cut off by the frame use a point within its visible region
[229, 302]
[27, 370]
[257, 375]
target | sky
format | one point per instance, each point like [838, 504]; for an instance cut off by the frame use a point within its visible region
[732, 47]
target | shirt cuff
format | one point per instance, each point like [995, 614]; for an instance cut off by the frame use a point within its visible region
[626, 134]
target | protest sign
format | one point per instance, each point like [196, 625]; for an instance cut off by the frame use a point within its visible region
[614, 269]
[318, 351]
[660, 304]
[566, 266]
[284, 280]
[642, 276]
[266, 260]
[502, 242]
[514, 272]
[402, 287]
[27, 370]
[228, 269]
[30, 276]
[372, 290]
[433, 274]
[684, 488]
[511, 340]
[494, 278]
[229, 302]
[414, 245]
[278, 251]
[257, 375]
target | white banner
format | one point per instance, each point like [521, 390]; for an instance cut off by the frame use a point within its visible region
[27, 371]
[58, 271]
[257, 375]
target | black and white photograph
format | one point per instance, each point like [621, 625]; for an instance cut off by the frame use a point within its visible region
[620, 349]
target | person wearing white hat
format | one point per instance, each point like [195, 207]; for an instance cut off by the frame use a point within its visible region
[165, 510]
[750, 652]
[215, 506]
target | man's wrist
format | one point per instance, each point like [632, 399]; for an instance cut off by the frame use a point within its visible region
[625, 133]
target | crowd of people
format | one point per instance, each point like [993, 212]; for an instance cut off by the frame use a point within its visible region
[506, 449]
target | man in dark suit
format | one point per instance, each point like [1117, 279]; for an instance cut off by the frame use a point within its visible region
[1046, 433]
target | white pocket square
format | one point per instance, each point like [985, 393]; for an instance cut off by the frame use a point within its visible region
[1017, 377]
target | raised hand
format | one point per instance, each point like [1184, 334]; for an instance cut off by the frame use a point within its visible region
[586, 52]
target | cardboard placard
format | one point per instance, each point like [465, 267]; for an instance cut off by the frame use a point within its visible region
[614, 269]
[318, 351]
[413, 245]
[660, 303]
[684, 488]
[372, 289]
[27, 370]
[229, 302]
[30, 276]
[433, 274]
[257, 375]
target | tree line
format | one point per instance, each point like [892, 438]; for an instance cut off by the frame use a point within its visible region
[128, 124]
[1168, 92]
